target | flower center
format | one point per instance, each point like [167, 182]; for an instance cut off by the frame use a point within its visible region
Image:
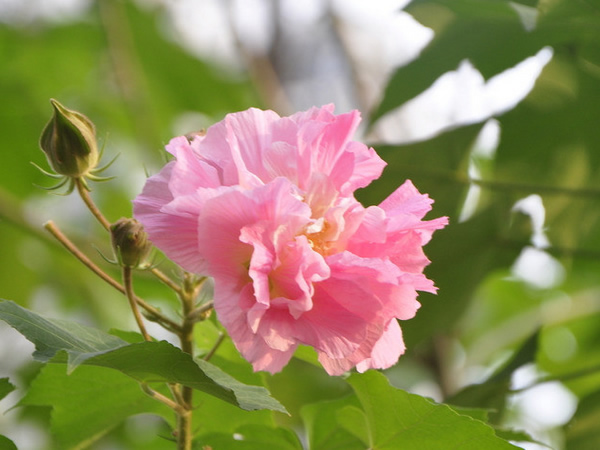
[318, 235]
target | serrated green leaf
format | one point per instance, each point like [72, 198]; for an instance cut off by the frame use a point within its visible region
[146, 362]
[251, 437]
[398, 419]
[51, 336]
[89, 402]
[325, 431]
[6, 387]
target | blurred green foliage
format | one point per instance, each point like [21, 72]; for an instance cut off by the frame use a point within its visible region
[118, 67]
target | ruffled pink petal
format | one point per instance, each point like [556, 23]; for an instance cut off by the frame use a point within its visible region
[368, 166]
[229, 306]
[265, 205]
[386, 351]
[189, 172]
[249, 135]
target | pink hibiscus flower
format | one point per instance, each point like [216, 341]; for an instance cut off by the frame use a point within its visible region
[265, 205]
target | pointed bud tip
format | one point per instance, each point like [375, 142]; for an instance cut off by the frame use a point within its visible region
[69, 142]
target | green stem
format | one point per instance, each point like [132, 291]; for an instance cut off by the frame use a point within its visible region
[166, 280]
[161, 398]
[87, 199]
[186, 337]
[128, 283]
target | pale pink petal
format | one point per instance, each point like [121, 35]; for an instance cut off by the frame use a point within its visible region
[190, 172]
[407, 200]
[386, 351]
[175, 232]
[368, 166]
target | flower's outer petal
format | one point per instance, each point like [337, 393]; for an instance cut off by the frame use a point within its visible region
[248, 136]
[230, 305]
[368, 166]
[386, 351]
[189, 172]
[174, 232]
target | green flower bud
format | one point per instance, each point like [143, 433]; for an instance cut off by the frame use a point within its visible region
[69, 142]
[130, 243]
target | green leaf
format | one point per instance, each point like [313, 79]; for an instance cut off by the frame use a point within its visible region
[7, 444]
[145, 362]
[51, 335]
[6, 387]
[354, 421]
[398, 419]
[89, 402]
[327, 423]
[465, 29]
[251, 437]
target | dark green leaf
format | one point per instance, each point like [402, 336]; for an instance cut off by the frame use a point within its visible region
[51, 336]
[6, 387]
[145, 362]
[7, 444]
[398, 419]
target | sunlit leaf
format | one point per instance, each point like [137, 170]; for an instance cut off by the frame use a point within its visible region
[327, 422]
[398, 419]
[89, 402]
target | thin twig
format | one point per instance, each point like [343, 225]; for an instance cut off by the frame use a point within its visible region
[166, 280]
[215, 347]
[87, 199]
[128, 283]
[60, 237]
[161, 398]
